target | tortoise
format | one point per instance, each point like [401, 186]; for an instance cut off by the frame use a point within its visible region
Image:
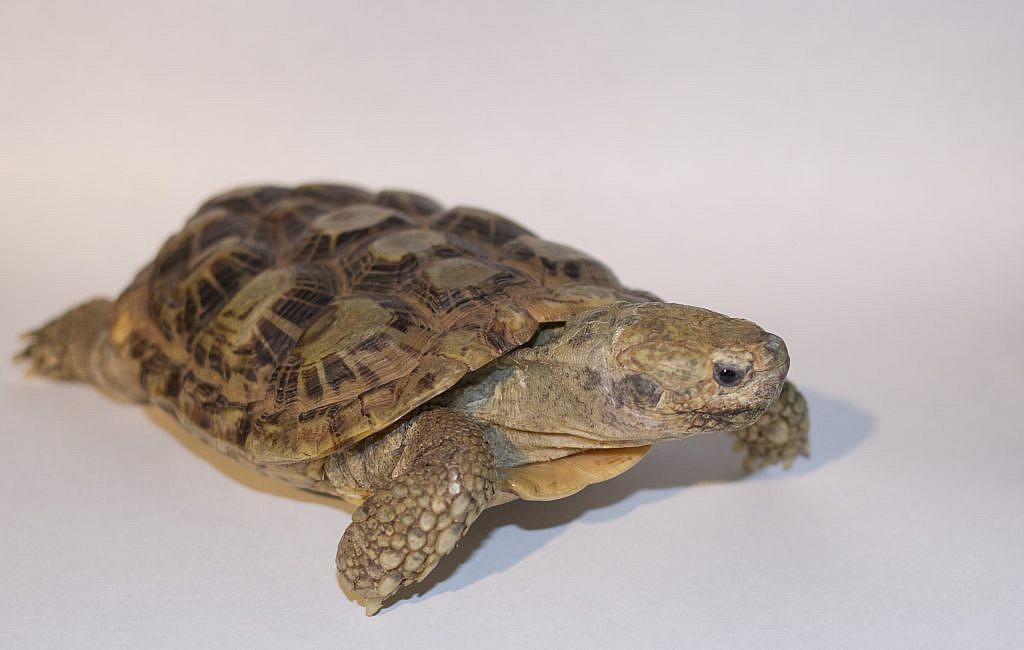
[420, 363]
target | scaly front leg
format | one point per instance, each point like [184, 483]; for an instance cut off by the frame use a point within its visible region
[443, 480]
[779, 435]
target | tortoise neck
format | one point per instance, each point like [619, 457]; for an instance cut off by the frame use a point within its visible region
[546, 400]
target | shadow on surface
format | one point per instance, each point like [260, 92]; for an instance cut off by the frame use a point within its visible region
[836, 429]
[247, 476]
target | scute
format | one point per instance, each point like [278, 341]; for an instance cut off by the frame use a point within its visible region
[284, 324]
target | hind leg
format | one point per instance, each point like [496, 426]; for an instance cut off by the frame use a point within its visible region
[76, 347]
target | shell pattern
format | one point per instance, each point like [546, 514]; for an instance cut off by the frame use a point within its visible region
[286, 323]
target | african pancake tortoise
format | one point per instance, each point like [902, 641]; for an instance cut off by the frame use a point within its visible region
[421, 363]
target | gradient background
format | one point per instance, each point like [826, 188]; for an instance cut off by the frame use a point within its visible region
[847, 175]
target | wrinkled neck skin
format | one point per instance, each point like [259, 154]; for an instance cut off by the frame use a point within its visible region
[526, 416]
[553, 399]
[623, 375]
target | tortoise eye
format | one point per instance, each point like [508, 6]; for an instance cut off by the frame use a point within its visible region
[727, 375]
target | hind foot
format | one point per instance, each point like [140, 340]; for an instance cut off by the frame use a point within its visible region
[62, 348]
[76, 347]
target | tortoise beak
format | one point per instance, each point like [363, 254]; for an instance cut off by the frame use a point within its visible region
[773, 355]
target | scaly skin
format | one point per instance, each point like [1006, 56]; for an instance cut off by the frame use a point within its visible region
[444, 480]
[76, 347]
[62, 349]
[778, 436]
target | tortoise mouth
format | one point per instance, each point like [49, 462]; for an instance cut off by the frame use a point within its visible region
[730, 418]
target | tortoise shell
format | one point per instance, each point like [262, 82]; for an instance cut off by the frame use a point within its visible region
[287, 323]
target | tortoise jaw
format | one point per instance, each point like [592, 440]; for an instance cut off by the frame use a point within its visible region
[727, 420]
[764, 395]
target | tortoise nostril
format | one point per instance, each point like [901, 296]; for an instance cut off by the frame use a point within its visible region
[775, 352]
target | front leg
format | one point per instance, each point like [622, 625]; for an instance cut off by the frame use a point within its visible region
[779, 435]
[443, 479]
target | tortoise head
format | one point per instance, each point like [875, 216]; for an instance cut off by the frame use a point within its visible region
[694, 369]
[665, 370]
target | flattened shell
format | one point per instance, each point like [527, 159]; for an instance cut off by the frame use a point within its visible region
[293, 322]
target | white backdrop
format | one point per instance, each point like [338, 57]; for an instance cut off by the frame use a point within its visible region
[849, 176]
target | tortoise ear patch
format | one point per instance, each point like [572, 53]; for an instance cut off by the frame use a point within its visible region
[639, 390]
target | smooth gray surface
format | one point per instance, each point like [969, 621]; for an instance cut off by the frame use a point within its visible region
[847, 176]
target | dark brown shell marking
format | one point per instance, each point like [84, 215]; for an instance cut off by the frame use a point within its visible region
[293, 322]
